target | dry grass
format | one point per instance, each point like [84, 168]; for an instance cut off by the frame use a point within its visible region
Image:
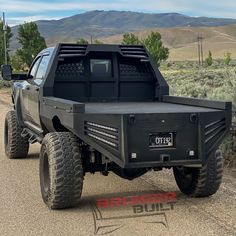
[183, 41]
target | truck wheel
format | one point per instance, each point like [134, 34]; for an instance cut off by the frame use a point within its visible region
[61, 170]
[201, 182]
[15, 145]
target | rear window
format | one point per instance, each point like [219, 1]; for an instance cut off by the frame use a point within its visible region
[100, 67]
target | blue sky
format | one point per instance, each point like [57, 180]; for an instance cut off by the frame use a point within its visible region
[19, 11]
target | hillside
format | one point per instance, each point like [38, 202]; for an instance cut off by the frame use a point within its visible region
[182, 41]
[107, 23]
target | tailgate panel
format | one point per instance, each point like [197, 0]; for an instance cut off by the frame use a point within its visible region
[185, 135]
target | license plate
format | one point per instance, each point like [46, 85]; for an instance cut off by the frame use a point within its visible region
[161, 140]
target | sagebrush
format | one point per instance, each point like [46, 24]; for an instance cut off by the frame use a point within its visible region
[217, 84]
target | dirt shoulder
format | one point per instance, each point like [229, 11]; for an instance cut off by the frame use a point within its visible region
[24, 213]
[5, 96]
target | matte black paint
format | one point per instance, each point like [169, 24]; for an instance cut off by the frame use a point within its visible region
[124, 109]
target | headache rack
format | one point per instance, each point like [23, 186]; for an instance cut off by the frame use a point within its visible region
[74, 50]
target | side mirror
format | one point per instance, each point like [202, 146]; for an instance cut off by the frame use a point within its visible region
[6, 72]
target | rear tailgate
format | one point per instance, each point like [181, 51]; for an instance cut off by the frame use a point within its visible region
[173, 138]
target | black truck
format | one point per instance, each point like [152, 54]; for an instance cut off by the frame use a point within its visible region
[102, 108]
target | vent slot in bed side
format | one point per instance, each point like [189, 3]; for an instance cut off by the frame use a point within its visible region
[102, 133]
[134, 51]
[214, 130]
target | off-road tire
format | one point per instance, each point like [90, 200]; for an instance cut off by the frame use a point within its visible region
[201, 182]
[61, 170]
[15, 145]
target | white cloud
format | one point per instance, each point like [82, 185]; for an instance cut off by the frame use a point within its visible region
[195, 7]
[29, 6]
[11, 21]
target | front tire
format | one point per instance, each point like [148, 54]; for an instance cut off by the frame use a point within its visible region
[61, 170]
[201, 182]
[15, 145]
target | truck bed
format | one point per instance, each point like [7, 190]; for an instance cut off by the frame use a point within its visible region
[142, 108]
[99, 125]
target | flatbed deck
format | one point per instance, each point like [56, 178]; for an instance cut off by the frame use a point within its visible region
[142, 108]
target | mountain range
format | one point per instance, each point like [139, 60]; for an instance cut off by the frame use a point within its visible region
[105, 24]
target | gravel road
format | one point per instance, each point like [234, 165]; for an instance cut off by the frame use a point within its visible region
[22, 211]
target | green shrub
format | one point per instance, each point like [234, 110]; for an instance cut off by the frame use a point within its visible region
[209, 59]
[227, 58]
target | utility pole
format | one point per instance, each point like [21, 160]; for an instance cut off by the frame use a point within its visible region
[91, 39]
[199, 53]
[4, 36]
[200, 49]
